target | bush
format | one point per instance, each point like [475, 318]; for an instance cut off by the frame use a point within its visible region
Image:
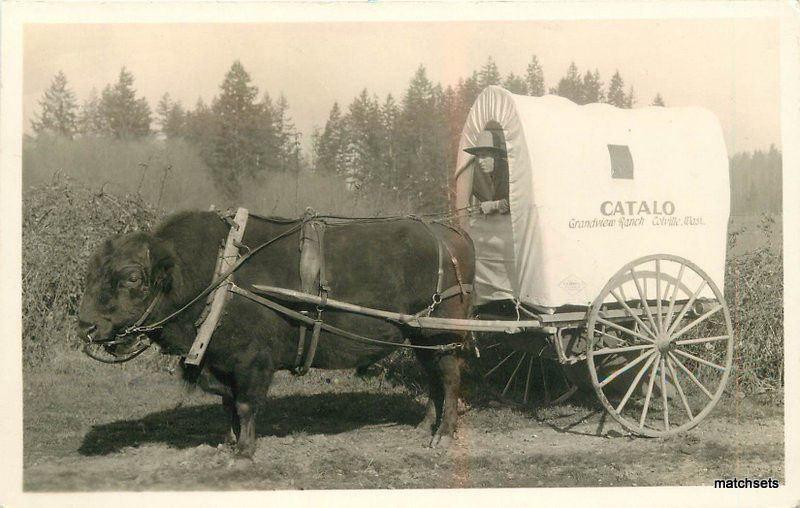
[754, 291]
[62, 225]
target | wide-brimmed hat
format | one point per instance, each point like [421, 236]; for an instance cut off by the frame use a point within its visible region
[485, 146]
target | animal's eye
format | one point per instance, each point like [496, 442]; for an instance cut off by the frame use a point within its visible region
[133, 279]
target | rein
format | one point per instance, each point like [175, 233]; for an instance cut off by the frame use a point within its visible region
[139, 328]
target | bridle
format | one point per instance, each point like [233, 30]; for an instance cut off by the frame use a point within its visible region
[141, 332]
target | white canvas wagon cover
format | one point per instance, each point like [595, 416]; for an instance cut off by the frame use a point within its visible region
[592, 188]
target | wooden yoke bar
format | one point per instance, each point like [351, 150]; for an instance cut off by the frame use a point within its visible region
[229, 256]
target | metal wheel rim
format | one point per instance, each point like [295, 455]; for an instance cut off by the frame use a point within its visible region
[592, 343]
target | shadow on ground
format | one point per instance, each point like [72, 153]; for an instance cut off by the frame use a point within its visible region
[190, 426]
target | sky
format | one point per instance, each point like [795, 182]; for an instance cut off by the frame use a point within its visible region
[729, 66]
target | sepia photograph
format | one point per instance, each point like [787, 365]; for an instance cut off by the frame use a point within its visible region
[364, 247]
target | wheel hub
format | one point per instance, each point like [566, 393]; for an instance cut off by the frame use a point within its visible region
[663, 344]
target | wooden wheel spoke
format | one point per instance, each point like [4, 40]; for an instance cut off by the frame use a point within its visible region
[686, 308]
[671, 308]
[630, 365]
[635, 383]
[696, 322]
[643, 298]
[624, 330]
[513, 374]
[658, 296]
[699, 360]
[633, 314]
[646, 405]
[679, 388]
[604, 334]
[664, 400]
[701, 340]
[608, 351]
[528, 380]
[499, 364]
[691, 376]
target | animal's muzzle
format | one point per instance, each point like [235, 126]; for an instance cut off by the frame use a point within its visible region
[92, 333]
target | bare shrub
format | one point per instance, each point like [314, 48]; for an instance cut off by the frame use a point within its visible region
[62, 224]
[754, 291]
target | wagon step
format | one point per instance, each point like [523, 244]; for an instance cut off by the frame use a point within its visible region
[434, 323]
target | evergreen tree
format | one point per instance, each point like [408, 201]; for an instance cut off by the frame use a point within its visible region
[330, 143]
[489, 74]
[616, 91]
[171, 117]
[571, 85]
[58, 110]
[630, 98]
[288, 139]
[124, 115]
[592, 88]
[515, 84]
[91, 121]
[466, 92]
[658, 100]
[237, 147]
[422, 144]
[390, 114]
[199, 125]
[363, 148]
[534, 78]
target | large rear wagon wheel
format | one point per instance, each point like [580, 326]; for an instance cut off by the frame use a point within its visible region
[672, 349]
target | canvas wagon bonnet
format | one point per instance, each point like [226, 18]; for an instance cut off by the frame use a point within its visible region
[591, 187]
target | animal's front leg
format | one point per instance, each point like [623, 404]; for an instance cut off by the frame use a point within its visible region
[246, 444]
[252, 378]
[433, 408]
[450, 369]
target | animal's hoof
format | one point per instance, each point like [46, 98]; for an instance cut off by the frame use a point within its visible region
[230, 439]
[245, 453]
[440, 441]
[425, 428]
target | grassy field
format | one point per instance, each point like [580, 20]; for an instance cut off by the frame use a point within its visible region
[112, 428]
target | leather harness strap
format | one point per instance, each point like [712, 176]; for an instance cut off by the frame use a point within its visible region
[313, 279]
[460, 289]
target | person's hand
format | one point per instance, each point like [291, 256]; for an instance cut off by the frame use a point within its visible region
[490, 207]
[503, 207]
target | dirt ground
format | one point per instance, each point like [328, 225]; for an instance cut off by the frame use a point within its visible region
[94, 427]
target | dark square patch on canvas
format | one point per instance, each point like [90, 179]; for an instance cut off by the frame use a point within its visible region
[621, 162]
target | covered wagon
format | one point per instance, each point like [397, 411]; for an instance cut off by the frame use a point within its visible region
[615, 239]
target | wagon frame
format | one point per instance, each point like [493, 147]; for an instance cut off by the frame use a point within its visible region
[653, 332]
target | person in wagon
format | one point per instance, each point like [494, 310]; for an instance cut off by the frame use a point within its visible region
[490, 175]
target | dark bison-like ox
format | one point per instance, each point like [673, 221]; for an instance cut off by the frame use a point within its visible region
[390, 265]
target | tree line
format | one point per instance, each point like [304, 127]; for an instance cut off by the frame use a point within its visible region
[404, 145]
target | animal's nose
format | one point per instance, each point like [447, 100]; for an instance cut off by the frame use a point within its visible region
[86, 329]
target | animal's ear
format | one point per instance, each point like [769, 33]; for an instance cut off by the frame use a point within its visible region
[162, 261]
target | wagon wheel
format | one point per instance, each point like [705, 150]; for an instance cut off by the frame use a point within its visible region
[673, 347]
[515, 365]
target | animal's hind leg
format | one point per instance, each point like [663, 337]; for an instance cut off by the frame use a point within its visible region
[233, 417]
[449, 366]
[433, 409]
